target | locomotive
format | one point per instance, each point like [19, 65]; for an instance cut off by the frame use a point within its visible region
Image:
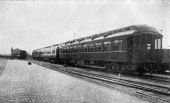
[18, 53]
[132, 49]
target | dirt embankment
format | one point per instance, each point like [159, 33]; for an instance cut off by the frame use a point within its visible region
[2, 65]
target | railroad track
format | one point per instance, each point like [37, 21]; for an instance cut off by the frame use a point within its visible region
[138, 85]
[111, 80]
[151, 77]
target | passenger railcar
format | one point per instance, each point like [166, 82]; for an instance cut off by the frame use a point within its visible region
[135, 48]
[46, 54]
[36, 54]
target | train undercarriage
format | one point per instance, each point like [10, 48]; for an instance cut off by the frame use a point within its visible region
[118, 67]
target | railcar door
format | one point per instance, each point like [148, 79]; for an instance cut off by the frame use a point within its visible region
[139, 48]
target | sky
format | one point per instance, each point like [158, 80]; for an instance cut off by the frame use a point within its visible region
[33, 24]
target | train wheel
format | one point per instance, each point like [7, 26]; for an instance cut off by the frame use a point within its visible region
[66, 63]
[130, 69]
[106, 67]
[115, 68]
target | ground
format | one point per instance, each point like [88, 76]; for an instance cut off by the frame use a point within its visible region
[23, 83]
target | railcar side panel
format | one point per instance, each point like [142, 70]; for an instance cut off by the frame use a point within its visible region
[102, 55]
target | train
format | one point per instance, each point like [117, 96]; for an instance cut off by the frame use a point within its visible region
[18, 53]
[132, 49]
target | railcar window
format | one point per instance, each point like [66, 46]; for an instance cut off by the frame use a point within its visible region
[53, 51]
[85, 48]
[49, 52]
[62, 49]
[75, 49]
[117, 45]
[67, 49]
[148, 46]
[107, 46]
[98, 46]
[158, 44]
[79, 48]
[71, 50]
[91, 47]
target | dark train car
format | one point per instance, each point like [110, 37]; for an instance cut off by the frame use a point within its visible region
[22, 54]
[35, 54]
[135, 48]
[46, 53]
[18, 53]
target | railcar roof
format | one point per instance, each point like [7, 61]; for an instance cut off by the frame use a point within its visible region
[117, 32]
[145, 28]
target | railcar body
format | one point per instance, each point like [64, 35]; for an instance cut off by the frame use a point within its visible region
[23, 54]
[130, 49]
[135, 47]
[46, 53]
[49, 53]
[18, 53]
[36, 54]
